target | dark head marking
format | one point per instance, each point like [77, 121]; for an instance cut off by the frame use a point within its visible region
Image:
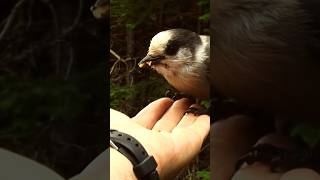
[182, 38]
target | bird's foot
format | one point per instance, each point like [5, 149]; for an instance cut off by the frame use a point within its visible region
[175, 95]
[279, 159]
[198, 111]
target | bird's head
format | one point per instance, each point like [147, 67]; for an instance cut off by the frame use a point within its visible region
[180, 56]
[100, 9]
[171, 51]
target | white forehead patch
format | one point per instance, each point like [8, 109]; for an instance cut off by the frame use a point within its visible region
[159, 42]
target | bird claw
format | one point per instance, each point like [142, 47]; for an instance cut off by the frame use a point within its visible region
[197, 111]
[279, 159]
[177, 95]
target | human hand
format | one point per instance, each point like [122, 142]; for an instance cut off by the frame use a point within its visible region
[172, 137]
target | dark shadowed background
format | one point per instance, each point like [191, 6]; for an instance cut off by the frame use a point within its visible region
[52, 82]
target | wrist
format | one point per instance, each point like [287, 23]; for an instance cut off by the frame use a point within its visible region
[153, 148]
[163, 156]
[120, 166]
[143, 164]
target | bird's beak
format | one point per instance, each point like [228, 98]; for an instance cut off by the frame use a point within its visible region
[149, 60]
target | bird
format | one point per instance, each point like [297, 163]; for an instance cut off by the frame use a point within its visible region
[100, 9]
[182, 57]
[266, 55]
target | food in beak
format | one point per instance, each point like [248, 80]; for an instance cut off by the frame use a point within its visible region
[148, 60]
[142, 65]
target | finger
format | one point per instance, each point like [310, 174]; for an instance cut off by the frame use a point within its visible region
[301, 173]
[120, 121]
[117, 118]
[117, 115]
[201, 126]
[256, 171]
[149, 115]
[188, 118]
[173, 116]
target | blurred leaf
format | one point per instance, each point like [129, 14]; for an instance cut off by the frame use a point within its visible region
[120, 94]
[138, 95]
[203, 2]
[205, 103]
[205, 17]
[131, 26]
[205, 175]
[308, 132]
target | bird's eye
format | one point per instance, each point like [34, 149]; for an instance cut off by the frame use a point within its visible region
[173, 47]
[155, 58]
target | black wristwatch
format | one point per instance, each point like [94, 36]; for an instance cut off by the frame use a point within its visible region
[144, 166]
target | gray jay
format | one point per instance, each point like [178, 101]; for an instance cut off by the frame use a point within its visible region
[265, 55]
[182, 58]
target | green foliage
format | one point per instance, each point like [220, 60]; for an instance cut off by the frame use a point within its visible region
[132, 12]
[152, 88]
[204, 175]
[120, 94]
[205, 5]
[131, 26]
[308, 132]
[205, 103]
[30, 104]
[204, 17]
[137, 95]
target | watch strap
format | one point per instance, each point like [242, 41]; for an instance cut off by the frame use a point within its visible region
[144, 166]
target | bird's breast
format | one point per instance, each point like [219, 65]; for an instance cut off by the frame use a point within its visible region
[191, 85]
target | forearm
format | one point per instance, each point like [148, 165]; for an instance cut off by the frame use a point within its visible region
[120, 167]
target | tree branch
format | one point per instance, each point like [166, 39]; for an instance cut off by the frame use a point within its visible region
[70, 63]
[119, 59]
[11, 18]
[76, 19]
